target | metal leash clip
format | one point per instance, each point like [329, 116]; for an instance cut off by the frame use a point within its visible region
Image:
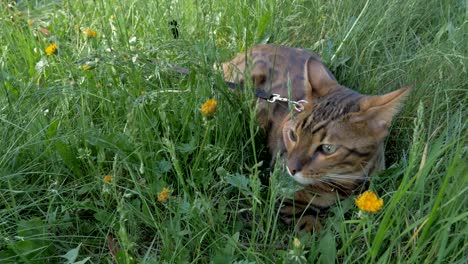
[298, 105]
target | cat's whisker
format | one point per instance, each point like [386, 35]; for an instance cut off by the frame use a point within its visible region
[345, 177]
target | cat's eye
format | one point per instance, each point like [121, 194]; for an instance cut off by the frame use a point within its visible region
[292, 135]
[328, 149]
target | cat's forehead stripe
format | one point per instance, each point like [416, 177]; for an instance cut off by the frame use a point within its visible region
[329, 108]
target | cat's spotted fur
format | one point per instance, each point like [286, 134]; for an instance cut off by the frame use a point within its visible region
[331, 147]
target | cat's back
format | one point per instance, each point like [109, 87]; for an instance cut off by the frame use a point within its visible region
[272, 67]
[271, 53]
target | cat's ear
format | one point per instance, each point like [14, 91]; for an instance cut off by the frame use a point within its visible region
[379, 111]
[318, 79]
[234, 73]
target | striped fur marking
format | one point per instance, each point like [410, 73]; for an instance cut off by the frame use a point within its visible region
[334, 145]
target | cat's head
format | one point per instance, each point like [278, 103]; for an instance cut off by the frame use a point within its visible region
[338, 138]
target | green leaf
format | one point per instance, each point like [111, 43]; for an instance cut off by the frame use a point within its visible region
[31, 227]
[52, 129]
[265, 39]
[226, 254]
[186, 147]
[163, 166]
[8, 256]
[239, 181]
[68, 157]
[26, 247]
[123, 257]
[222, 172]
[83, 261]
[117, 142]
[262, 27]
[104, 217]
[327, 249]
[72, 254]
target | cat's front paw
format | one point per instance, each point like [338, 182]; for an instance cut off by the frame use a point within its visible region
[307, 224]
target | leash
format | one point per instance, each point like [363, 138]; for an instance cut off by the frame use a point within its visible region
[272, 98]
[260, 93]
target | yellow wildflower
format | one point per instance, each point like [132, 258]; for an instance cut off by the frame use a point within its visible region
[296, 243]
[86, 67]
[163, 195]
[209, 107]
[30, 22]
[51, 49]
[107, 179]
[369, 202]
[90, 33]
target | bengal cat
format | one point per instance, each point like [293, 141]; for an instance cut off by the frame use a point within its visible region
[334, 145]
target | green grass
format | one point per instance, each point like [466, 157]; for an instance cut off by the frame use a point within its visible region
[63, 129]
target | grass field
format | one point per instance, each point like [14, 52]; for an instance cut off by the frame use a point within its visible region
[183, 188]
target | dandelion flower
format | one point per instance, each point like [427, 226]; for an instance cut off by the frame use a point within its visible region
[163, 195]
[297, 253]
[107, 179]
[369, 202]
[209, 107]
[296, 243]
[51, 49]
[30, 22]
[90, 33]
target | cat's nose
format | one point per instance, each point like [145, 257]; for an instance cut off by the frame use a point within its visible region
[294, 166]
